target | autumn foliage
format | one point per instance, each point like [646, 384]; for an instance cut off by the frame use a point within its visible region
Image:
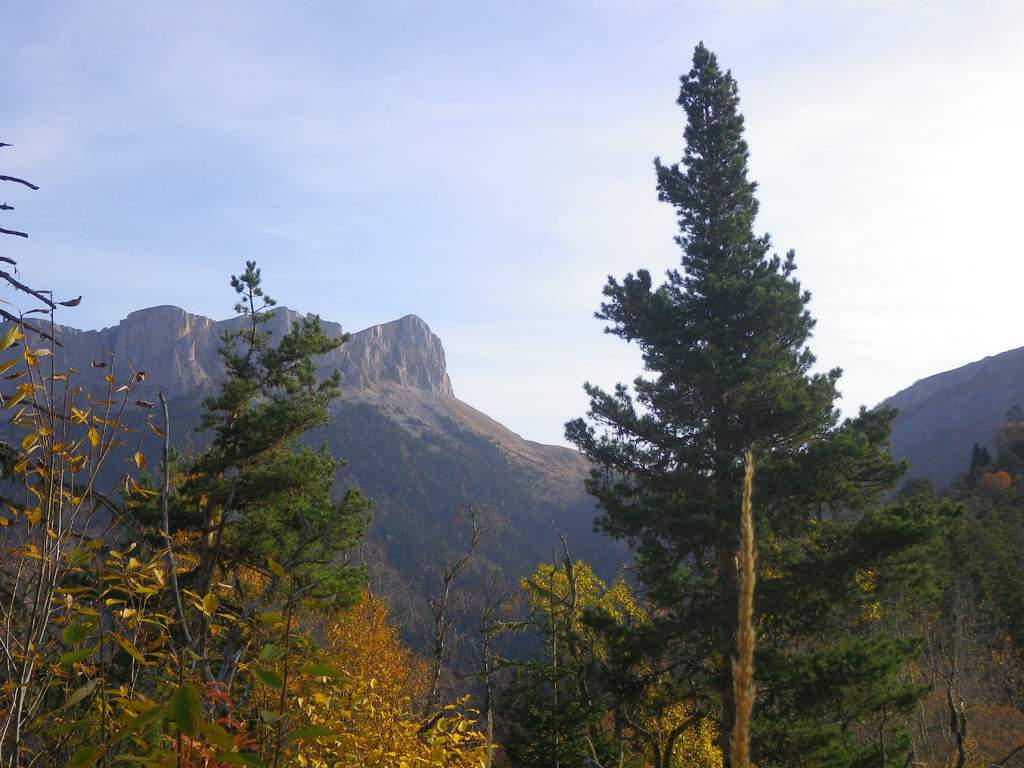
[130, 633]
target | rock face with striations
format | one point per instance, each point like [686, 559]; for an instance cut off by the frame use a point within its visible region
[422, 455]
[178, 350]
[942, 416]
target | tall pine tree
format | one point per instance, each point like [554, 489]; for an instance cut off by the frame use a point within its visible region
[724, 342]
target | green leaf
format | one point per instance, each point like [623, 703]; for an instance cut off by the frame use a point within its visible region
[72, 656]
[85, 757]
[267, 716]
[268, 677]
[308, 732]
[270, 652]
[137, 722]
[238, 758]
[186, 709]
[76, 633]
[275, 567]
[216, 735]
[271, 617]
[317, 670]
[80, 694]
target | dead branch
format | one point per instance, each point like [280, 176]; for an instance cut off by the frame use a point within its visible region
[25, 289]
[16, 180]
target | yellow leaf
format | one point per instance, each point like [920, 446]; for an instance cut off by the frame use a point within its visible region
[13, 334]
[209, 603]
[7, 365]
[16, 399]
[78, 416]
[129, 648]
[140, 460]
[132, 486]
[33, 515]
[94, 437]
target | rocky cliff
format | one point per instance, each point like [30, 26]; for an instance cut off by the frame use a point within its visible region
[422, 455]
[178, 350]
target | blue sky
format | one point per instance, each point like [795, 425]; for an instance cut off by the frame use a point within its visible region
[486, 165]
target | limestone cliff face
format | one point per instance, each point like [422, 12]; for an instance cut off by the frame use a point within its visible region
[397, 368]
[178, 351]
[403, 353]
[421, 454]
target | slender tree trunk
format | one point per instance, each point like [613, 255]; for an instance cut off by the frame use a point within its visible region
[743, 664]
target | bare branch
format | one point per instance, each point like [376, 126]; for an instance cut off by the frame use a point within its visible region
[30, 291]
[16, 180]
[1010, 755]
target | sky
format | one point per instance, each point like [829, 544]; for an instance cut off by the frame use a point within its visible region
[487, 165]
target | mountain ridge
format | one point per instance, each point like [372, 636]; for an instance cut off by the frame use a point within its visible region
[422, 455]
[941, 416]
[376, 355]
[398, 367]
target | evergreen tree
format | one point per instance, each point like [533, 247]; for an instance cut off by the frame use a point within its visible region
[257, 501]
[725, 344]
[259, 492]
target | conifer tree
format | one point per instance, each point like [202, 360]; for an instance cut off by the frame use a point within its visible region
[257, 500]
[724, 343]
[261, 493]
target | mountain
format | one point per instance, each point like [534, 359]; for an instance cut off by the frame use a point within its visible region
[942, 416]
[420, 453]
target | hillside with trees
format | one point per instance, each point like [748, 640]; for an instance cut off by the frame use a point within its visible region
[210, 557]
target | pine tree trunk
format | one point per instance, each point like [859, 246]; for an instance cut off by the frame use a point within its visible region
[727, 646]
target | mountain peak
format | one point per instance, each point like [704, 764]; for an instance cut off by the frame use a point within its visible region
[179, 350]
[403, 352]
